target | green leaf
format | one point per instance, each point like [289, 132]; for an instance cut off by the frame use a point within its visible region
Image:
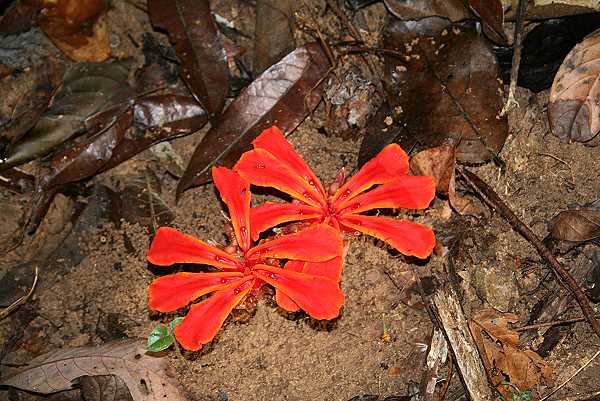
[160, 339]
[175, 323]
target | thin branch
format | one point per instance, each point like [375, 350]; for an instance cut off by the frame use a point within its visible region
[563, 275]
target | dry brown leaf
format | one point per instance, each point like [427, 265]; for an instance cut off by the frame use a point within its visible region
[574, 106]
[503, 360]
[145, 376]
[77, 27]
[440, 163]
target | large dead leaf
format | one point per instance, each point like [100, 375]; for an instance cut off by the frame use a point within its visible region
[574, 106]
[145, 376]
[88, 89]
[503, 360]
[192, 29]
[444, 88]
[77, 27]
[491, 14]
[283, 95]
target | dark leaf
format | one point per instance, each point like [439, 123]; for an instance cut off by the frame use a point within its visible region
[17, 180]
[454, 10]
[77, 27]
[88, 156]
[444, 88]
[104, 388]
[145, 376]
[283, 95]
[158, 118]
[544, 49]
[273, 37]
[491, 13]
[192, 29]
[574, 106]
[88, 90]
[21, 16]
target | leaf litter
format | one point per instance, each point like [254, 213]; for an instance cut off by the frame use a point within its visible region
[308, 139]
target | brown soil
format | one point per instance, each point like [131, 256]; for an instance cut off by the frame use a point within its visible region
[93, 288]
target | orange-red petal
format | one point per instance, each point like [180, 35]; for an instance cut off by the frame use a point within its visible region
[169, 293]
[283, 300]
[264, 169]
[389, 164]
[319, 296]
[273, 141]
[170, 246]
[409, 192]
[269, 215]
[235, 192]
[205, 319]
[331, 269]
[409, 238]
[317, 243]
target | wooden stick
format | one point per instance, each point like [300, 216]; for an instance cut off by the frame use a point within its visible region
[562, 274]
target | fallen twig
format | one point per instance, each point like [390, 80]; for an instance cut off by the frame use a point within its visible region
[12, 307]
[563, 275]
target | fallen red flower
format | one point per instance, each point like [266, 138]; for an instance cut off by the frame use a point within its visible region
[274, 163]
[240, 273]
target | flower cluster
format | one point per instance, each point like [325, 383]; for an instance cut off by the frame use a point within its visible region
[304, 266]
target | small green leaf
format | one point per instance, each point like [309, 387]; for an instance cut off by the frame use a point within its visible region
[160, 339]
[174, 323]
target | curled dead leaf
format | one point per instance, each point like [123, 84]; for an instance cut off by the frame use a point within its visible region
[574, 106]
[440, 162]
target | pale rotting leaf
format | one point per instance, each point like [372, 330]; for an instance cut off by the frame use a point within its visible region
[88, 90]
[146, 376]
[191, 28]
[283, 95]
[77, 27]
[103, 388]
[444, 87]
[574, 105]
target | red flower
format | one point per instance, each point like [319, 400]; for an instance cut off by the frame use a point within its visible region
[240, 273]
[274, 163]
